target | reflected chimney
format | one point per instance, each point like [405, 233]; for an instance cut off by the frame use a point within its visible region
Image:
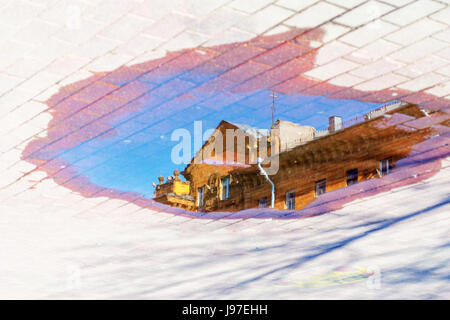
[335, 124]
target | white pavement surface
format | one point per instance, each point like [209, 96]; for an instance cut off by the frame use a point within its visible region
[135, 253]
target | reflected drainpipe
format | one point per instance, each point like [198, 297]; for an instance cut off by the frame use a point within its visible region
[263, 172]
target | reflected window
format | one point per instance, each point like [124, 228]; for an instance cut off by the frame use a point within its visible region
[290, 200]
[201, 197]
[262, 203]
[385, 166]
[352, 177]
[225, 188]
[321, 187]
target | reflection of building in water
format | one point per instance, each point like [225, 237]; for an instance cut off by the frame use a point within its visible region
[174, 192]
[310, 162]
